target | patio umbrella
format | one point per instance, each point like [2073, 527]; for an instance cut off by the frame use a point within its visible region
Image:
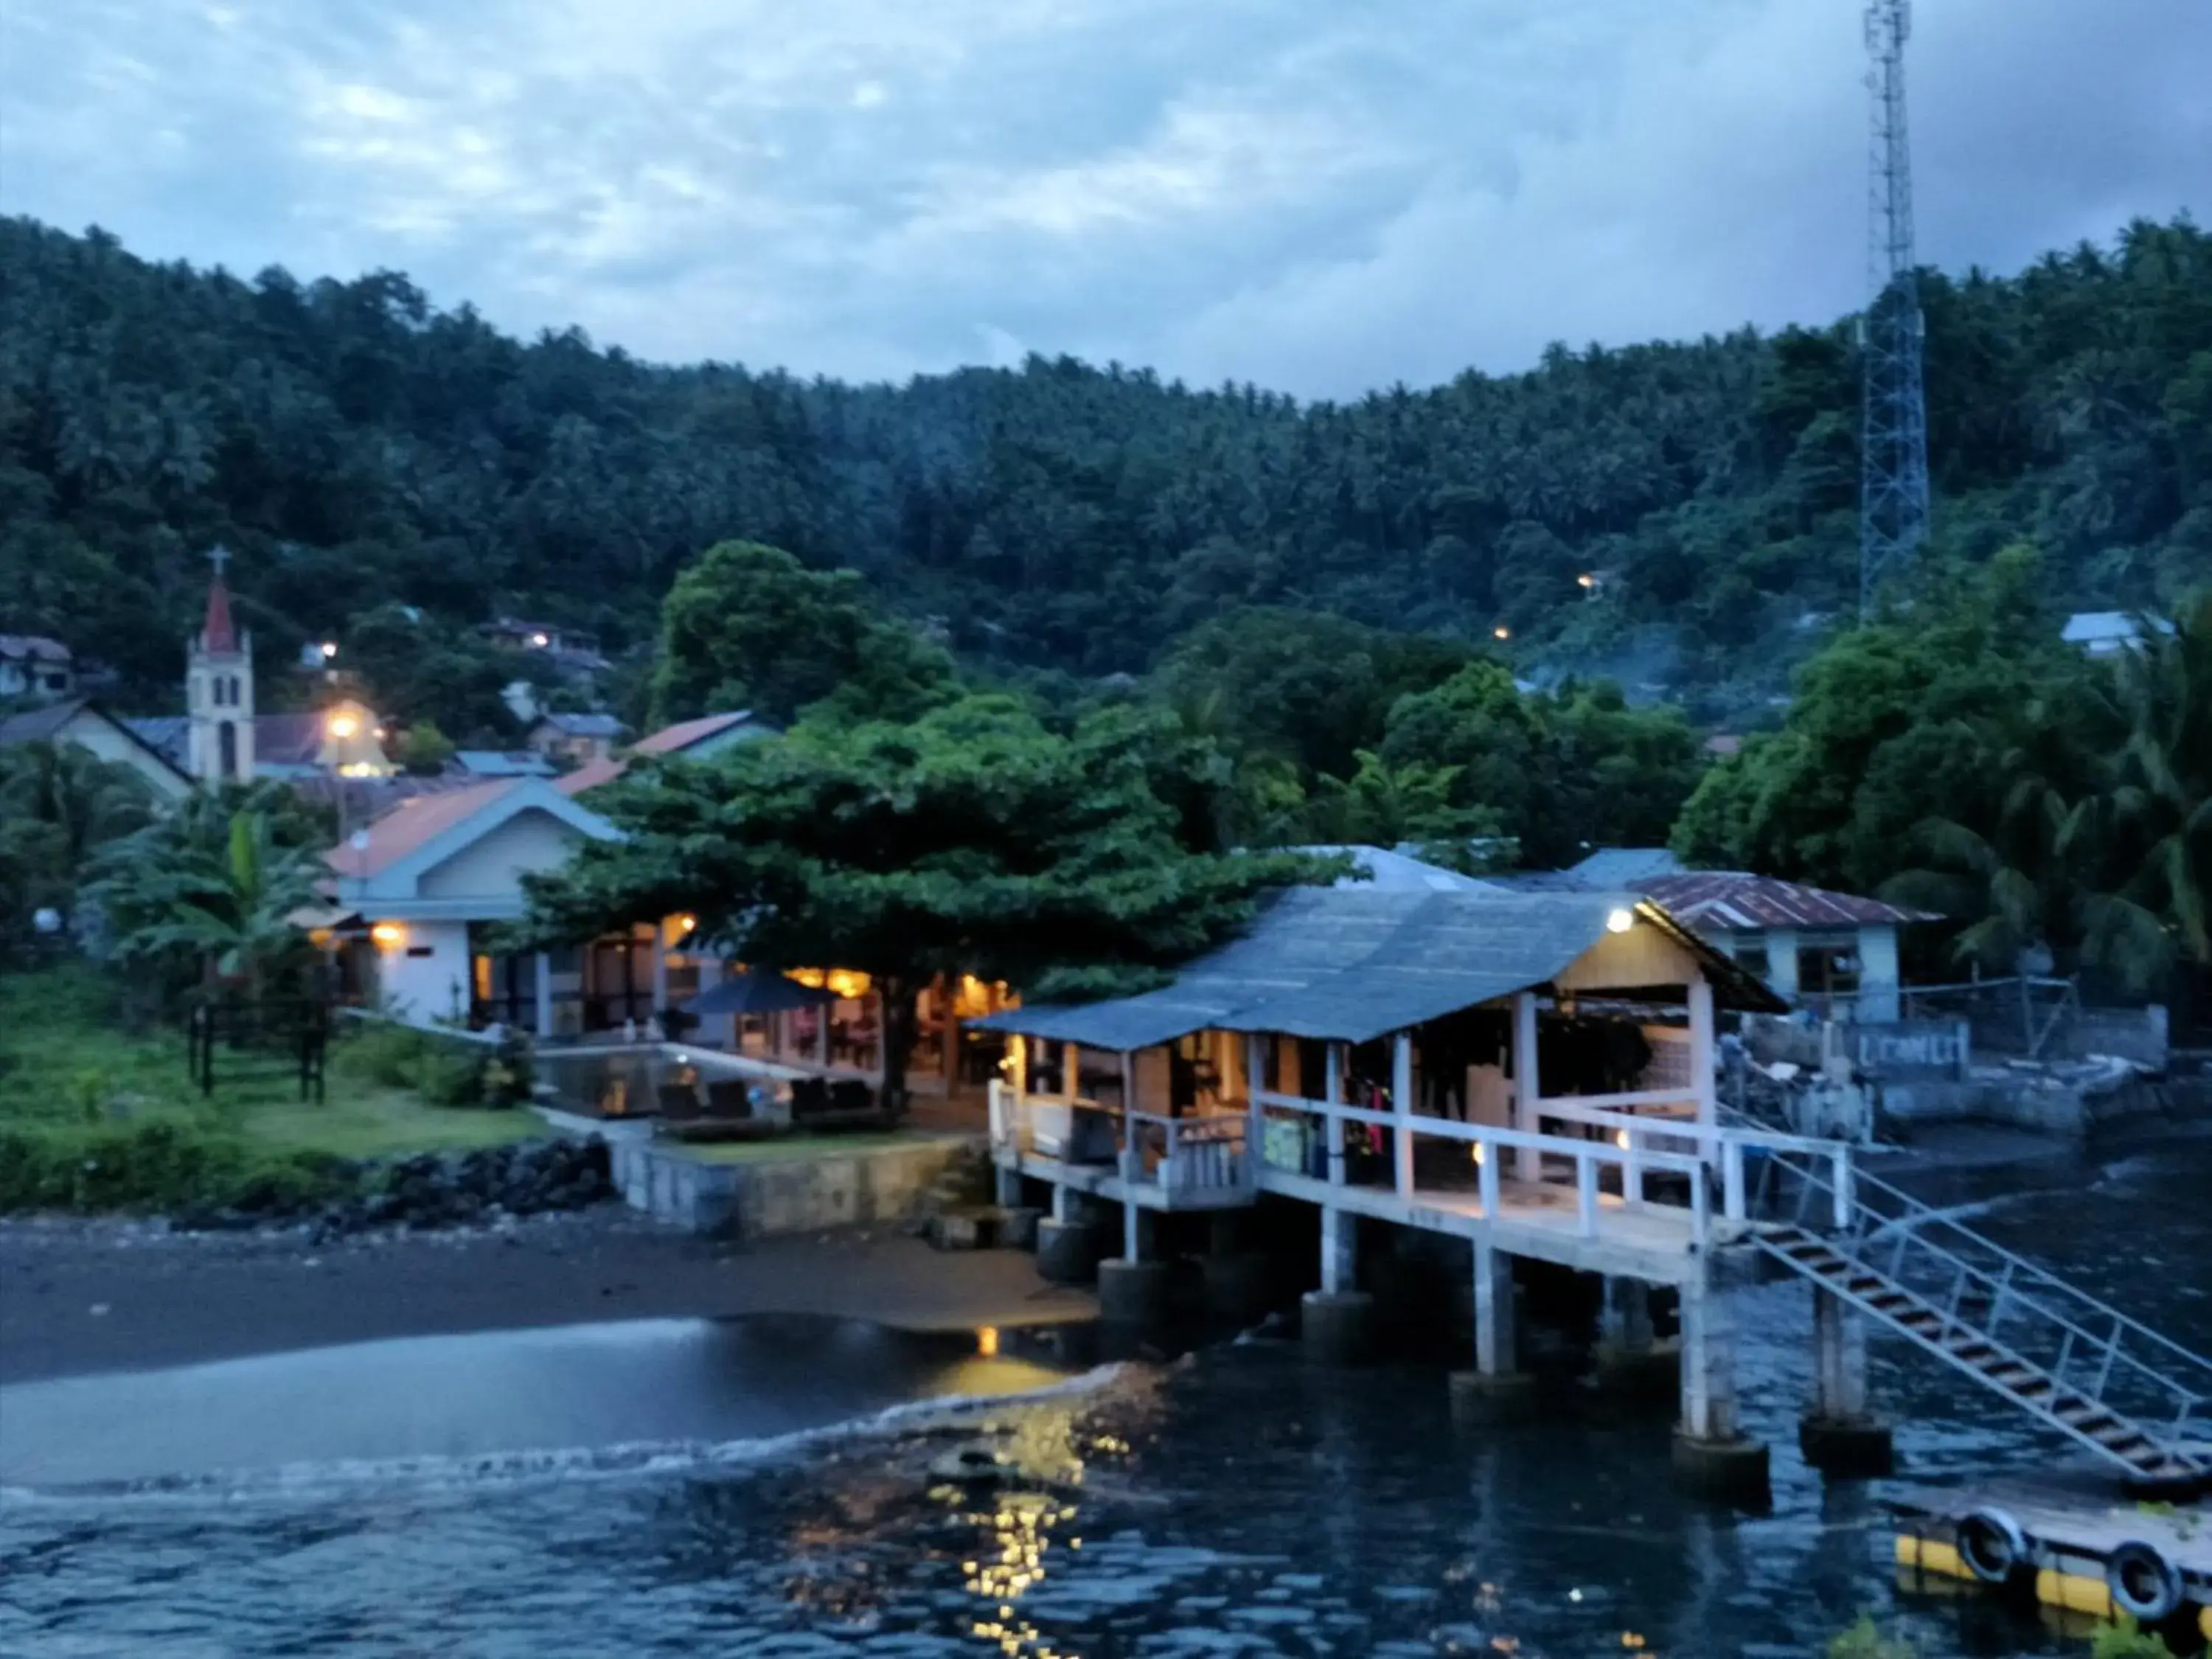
[757, 994]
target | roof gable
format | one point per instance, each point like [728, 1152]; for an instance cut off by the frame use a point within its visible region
[424, 831]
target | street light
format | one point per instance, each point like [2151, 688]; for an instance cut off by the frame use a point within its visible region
[1501, 632]
[328, 648]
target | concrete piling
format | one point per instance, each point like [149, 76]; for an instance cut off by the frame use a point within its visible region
[1713, 1455]
[1839, 1436]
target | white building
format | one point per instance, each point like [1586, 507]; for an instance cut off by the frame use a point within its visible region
[2107, 632]
[431, 878]
[33, 666]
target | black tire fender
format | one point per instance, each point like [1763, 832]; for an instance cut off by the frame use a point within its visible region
[1992, 1546]
[2144, 1584]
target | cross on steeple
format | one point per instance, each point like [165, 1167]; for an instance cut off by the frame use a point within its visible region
[218, 555]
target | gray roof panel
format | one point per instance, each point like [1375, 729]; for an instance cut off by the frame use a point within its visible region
[1348, 964]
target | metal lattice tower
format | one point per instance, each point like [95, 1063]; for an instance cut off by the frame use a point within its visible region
[1893, 449]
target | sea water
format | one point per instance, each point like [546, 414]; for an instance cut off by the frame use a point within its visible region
[778, 1488]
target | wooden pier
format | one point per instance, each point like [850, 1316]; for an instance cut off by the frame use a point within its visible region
[1427, 1060]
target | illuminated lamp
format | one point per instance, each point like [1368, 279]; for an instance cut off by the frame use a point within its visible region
[1620, 920]
[388, 935]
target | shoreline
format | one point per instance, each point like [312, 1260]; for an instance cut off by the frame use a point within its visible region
[79, 1297]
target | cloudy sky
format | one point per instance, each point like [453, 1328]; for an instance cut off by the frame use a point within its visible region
[1316, 195]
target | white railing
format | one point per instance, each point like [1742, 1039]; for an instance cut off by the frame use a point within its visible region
[1588, 1159]
[1188, 1158]
[1724, 1145]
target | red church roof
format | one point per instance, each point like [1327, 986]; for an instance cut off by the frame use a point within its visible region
[217, 633]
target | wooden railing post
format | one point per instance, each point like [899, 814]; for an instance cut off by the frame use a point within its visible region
[1332, 1124]
[1631, 1170]
[1846, 1200]
[1255, 1119]
[1586, 1195]
[1527, 1161]
[1401, 1107]
[1732, 1179]
[1487, 1181]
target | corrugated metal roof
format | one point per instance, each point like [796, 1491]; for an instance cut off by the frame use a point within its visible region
[1348, 964]
[1387, 868]
[675, 739]
[1740, 902]
[1625, 866]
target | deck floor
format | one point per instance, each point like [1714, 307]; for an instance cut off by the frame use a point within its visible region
[1539, 1220]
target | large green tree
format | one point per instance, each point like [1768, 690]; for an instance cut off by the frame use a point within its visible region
[970, 841]
[751, 627]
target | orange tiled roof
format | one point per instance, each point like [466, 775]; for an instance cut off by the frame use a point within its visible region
[410, 825]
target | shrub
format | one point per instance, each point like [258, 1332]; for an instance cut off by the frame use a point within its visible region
[2124, 1639]
[1864, 1640]
[387, 1054]
[446, 1071]
[155, 1165]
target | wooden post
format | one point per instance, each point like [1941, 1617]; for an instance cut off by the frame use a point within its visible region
[1070, 1071]
[1255, 1116]
[1401, 1107]
[1133, 1157]
[544, 973]
[1527, 1161]
[1018, 1051]
[1702, 1081]
[1333, 1126]
[660, 971]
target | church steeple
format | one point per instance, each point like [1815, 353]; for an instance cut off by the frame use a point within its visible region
[216, 634]
[219, 689]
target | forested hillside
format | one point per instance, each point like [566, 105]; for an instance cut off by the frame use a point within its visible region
[357, 447]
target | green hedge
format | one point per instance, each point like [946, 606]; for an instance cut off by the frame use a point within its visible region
[156, 1165]
[446, 1071]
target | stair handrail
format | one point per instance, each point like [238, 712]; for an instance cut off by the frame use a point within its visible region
[1923, 1218]
[1920, 1217]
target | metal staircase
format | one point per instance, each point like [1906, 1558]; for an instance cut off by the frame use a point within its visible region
[2139, 1401]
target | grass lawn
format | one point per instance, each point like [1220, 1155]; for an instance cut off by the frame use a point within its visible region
[786, 1149]
[67, 1062]
[362, 1122]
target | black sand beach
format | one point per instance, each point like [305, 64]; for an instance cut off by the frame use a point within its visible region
[79, 1297]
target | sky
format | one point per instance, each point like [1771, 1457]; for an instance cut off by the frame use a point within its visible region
[1319, 196]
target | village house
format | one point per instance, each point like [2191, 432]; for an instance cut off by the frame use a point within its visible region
[417, 893]
[575, 738]
[1835, 954]
[88, 726]
[34, 667]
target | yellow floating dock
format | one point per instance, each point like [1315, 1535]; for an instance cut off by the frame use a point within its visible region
[2077, 1552]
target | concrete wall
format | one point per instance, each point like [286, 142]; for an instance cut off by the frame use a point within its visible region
[784, 1193]
[419, 987]
[529, 842]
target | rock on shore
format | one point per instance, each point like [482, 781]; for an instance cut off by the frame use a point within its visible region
[433, 1190]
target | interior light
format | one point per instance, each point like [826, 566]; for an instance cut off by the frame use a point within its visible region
[539, 640]
[389, 934]
[343, 725]
[1586, 581]
[684, 924]
[987, 1341]
[1620, 920]
[1620, 1140]
[328, 648]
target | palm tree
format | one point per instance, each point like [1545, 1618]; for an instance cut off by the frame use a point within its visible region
[2160, 917]
[230, 903]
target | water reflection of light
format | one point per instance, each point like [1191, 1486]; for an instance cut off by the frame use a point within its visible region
[1021, 1525]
